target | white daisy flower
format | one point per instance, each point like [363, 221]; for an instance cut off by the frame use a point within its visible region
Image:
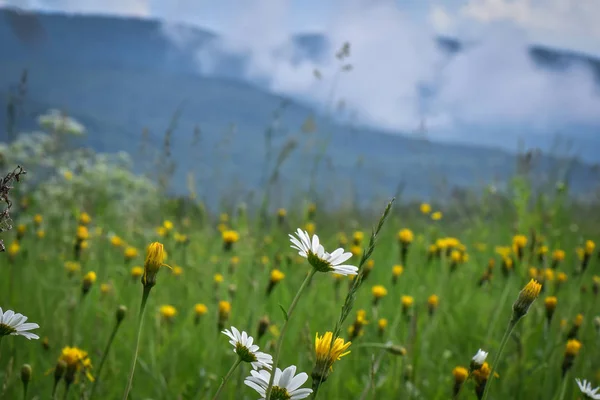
[316, 255]
[478, 359]
[286, 386]
[15, 324]
[586, 389]
[247, 351]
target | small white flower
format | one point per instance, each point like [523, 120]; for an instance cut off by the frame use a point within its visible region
[479, 359]
[586, 389]
[316, 255]
[15, 324]
[248, 352]
[286, 386]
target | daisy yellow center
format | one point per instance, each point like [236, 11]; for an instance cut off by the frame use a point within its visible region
[279, 393]
[318, 263]
[6, 330]
[244, 353]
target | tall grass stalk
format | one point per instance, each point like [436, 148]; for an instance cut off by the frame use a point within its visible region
[511, 326]
[351, 296]
[145, 295]
[288, 315]
[226, 378]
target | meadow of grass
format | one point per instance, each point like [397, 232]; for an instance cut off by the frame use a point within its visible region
[76, 255]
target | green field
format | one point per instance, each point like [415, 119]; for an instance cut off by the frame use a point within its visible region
[183, 354]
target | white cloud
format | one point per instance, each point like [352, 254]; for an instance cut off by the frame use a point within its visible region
[441, 20]
[491, 83]
[138, 8]
[544, 20]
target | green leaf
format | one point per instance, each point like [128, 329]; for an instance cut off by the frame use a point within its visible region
[285, 314]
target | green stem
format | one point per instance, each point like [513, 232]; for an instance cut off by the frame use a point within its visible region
[224, 381]
[563, 389]
[284, 329]
[509, 329]
[137, 340]
[66, 393]
[104, 355]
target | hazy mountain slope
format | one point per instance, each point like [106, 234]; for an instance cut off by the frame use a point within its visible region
[119, 76]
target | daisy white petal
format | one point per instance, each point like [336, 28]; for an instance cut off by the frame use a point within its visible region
[247, 351]
[318, 257]
[286, 384]
[586, 389]
[12, 323]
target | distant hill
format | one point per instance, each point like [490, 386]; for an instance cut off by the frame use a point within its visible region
[120, 76]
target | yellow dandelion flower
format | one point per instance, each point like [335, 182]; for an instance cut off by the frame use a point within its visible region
[168, 225]
[397, 270]
[41, 233]
[425, 208]
[155, 256]
[84, 218]
[277, 275]
[218, 278]
[68, 175]
[561, 277]
[382, 323]
[436, 216]
[116, 241]
[200, 309]
[355, 250]
[167, 312]
[229, 238]
[327, 354]
[407, 303]
[460, 374]
[130, 253]
[358, 237]
[572, 347]
[589, 247]
[75, 360]
[527, 296]
[558, 255]
[14, 248]
[38, 219]
[82, 233]
[378, 291]
[88, 281]
[137, 272]
[105, 288]
[405, 236]
[310, 227]
[177, 270]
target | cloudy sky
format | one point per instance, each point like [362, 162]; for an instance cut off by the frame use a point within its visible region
[393, 54]
[564, 23]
